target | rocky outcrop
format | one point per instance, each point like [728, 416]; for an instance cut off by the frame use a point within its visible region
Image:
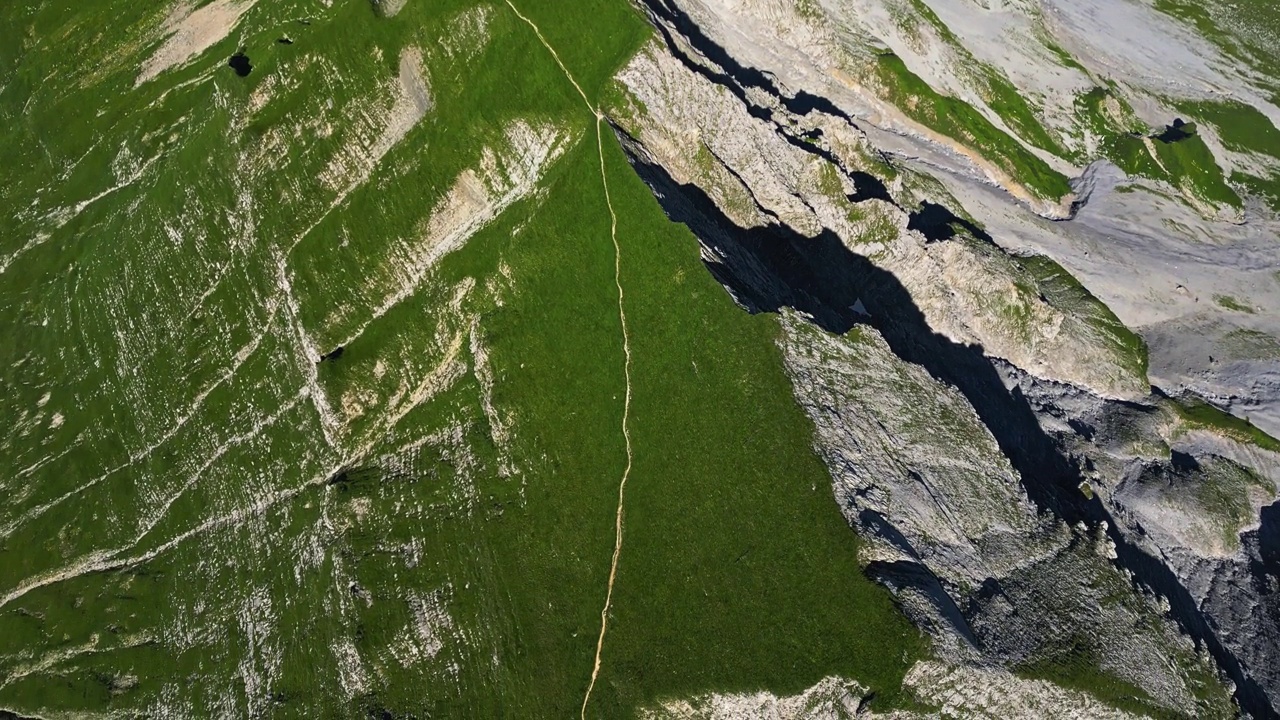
[791, 179]
[983, 417]
[955, 533]
[956, 690]
[189, 32]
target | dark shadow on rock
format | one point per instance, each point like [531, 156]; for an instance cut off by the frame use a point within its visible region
[1081, 428]
[868, 187]
[989, 589]
[722, 79]
[935, 222]
[766, 269]
[1189, 615]
[665, 12]
[360, 477]
[1269, 538]
[804, 103]
[902, 576]
[877, 525]
[1176, 132]
[240, 63]
[938, 223]
[773, 267]
[1184, 462]
[1263, 553]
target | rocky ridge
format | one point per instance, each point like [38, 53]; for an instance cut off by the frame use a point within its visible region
[1024, 487]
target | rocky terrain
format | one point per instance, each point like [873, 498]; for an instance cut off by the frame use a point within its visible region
[670, 359]
[1016, 472]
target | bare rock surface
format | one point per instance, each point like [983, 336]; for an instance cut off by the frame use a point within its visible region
[1022, 487]
[762, 176]
[801, 51]
[955, 690]
[189, 32]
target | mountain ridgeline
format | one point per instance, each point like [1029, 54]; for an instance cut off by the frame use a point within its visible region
[640, 358]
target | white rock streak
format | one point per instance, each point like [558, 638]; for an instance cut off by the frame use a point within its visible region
[307, 357]
[104, 560]
[191, 33]
[352, 165]
[477, 197]
[239, 359]
[959, 691]
[61, 216]
[217, 454]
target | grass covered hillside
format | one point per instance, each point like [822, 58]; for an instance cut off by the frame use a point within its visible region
[319, 383]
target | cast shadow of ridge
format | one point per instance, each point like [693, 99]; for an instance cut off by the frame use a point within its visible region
[768, 268]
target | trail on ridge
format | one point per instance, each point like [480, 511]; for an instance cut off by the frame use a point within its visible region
[626, 351]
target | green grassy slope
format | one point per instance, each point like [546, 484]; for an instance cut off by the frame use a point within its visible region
[187, 533]
[739, 572]
[1187, 164]
[1244, 129]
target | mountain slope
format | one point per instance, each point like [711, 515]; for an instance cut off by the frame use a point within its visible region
[691, 358]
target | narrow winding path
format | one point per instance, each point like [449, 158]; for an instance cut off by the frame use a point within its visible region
[626, 351]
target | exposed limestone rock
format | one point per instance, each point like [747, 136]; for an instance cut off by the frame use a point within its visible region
[352, 166]
[1204, 506]
[806, 50]
[955, 534]
[831, 699]
[1010, 518]
[505, 174]
[758, 172]
[919, 457]
[191, 33]
[984, 693]
[957, 691]
[389, 8]
[1194, 516]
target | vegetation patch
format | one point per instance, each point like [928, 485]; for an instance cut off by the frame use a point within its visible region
[1224, 491]
[432, 508]
[1241, 127]
[1245, 30]
[1064, 291]
[999, 94]
[1196, 413]
[738, 569]
[1077, 666]
[960, 121]
[1102, 112]
[1246, 344]
[1230, 303]
[1244, 129]
[1178, 156]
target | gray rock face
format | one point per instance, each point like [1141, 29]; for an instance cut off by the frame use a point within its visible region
[1186, 260]
[1195, 514]
[1032, 503]
[956, 534]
